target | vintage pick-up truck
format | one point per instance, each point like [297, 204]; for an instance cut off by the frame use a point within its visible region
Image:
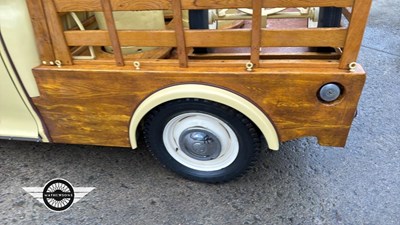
[203, 81]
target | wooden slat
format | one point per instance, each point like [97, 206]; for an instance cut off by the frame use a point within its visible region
[166, 38]
[122, 5]
[332, 37]
[218, 4]
[356, 32]
[112, 31]
[179, 33]
[43, 39]
[256, 32]
[168, 64]
[213, 38]
[118, 5]
[270, 38]
[60, 48]
[156, 38]
[272, 55]
[299, 63]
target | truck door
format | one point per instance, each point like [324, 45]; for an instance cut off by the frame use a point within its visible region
[16, 120]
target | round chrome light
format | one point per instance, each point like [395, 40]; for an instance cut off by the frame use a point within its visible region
[330, 92]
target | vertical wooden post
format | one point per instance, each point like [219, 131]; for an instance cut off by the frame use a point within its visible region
[41, 30]
[60, 47]
[256, 32]
[179, 33]
[355, 33]
[112, 32]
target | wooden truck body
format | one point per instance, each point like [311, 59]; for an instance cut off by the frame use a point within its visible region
[104, 99]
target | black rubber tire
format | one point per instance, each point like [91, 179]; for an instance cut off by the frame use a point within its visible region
[329, 17]
[247, 134]
[198, 19]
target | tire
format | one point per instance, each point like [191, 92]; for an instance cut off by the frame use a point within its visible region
[198, 19]
[329, 17]
[202, 140]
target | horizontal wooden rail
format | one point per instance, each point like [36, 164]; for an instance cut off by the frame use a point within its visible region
[334, 37]
[160, 66]
[155, 38]
[269, 55]
[123, 5]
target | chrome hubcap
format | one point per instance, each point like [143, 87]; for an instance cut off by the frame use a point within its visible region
[200, 141]
[200, 144]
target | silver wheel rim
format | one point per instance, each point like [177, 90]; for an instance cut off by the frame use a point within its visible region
[201, 141]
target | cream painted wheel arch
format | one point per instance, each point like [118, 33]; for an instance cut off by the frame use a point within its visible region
[208, 93]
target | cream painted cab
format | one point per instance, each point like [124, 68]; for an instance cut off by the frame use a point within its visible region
[18, 119]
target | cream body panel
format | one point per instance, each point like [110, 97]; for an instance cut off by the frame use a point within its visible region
[15, 118]
[17, 31]
[18, 119]
[207, 93]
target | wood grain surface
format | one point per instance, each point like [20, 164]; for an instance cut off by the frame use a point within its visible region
[42, 34]
[123, 5]
[60, 48]
[92, 101]
[213, 38]
[94, 104]
[112, 32]
[179, 33]
[256, 32]
[358, 22]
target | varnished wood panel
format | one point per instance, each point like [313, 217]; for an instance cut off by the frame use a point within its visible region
[93, 104]
[121, 5]
[334, 37]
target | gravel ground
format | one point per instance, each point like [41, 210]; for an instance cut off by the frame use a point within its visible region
[303, 183]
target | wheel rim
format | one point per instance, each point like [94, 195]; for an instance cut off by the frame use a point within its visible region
[201, 141]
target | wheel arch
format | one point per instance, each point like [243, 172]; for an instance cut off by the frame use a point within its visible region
[206, 92]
